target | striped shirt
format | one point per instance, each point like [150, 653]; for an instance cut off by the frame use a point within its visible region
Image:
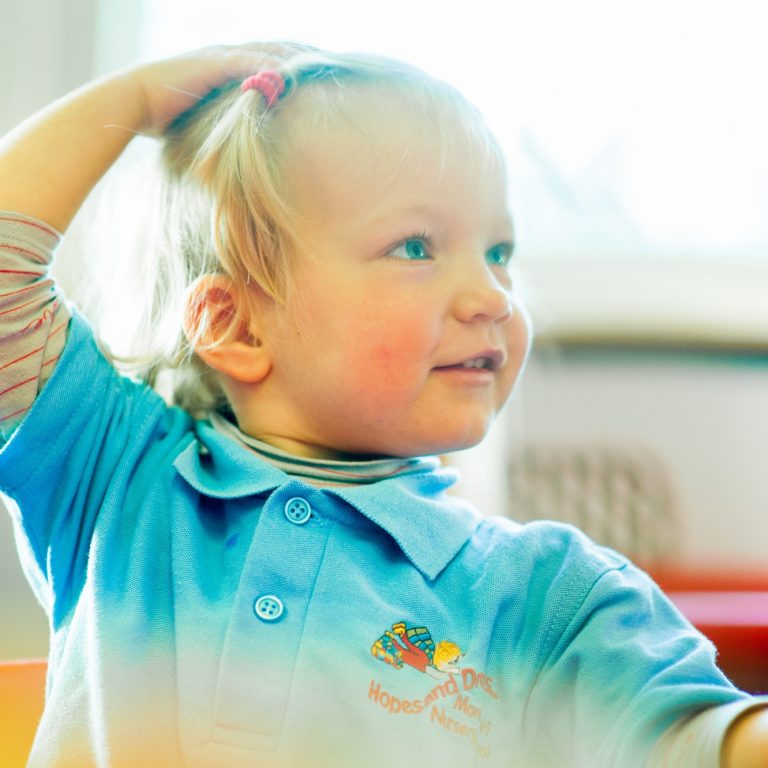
[33, 316]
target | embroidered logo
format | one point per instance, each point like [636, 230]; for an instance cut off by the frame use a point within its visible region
[415, 647]
[451, 703]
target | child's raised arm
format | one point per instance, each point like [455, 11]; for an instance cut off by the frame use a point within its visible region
[49, 163]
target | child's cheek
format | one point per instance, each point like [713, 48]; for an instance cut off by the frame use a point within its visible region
[393, 358]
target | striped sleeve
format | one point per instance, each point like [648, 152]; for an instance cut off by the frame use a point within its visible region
[33, 316]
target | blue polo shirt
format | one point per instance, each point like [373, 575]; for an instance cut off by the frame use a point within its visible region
[207, 609]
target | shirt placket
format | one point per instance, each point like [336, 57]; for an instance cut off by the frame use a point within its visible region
[268, 617]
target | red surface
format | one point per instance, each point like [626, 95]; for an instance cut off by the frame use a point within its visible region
[731, 609]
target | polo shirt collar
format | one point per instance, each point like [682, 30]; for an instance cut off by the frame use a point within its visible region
[428, 524]
[217, 466]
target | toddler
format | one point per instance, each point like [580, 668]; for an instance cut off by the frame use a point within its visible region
[271, 570]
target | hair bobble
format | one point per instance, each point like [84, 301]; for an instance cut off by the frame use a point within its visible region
[268, 82]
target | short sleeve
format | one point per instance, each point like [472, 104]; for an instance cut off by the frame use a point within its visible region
[625, 669]
[73, 456]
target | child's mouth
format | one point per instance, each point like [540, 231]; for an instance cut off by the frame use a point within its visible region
[491, 360]
[478, 362]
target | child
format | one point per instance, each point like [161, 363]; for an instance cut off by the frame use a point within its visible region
[272, 574]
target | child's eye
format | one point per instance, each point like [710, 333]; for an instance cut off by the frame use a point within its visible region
[500, 255]
[412, 249]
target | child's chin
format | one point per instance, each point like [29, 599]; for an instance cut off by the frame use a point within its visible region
[417, 444]
[438, 447]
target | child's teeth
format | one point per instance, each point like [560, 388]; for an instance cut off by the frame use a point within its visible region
[473, 363]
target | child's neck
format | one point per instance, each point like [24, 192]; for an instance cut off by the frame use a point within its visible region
[331, 470]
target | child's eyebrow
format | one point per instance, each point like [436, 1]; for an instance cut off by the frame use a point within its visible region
[396, 213]
[402, 214]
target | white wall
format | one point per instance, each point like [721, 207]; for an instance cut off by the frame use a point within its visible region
[47, 50]
[50, 47]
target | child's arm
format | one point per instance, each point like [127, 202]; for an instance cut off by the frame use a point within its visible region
[47, 167]
[50, 162]
[746, 744]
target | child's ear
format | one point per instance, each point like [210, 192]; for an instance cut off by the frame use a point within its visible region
[217, 326]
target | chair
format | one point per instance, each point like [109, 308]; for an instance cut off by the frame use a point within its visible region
[620, 494]
[22, 695]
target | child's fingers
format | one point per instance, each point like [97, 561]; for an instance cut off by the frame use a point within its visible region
[172, 86]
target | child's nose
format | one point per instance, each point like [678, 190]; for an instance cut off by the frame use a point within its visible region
[482, 296]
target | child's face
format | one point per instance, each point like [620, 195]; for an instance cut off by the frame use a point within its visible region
[400, 285]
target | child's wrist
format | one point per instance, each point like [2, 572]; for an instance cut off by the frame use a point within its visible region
[129, 89]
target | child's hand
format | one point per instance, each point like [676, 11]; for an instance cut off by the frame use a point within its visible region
[76, 139]
[171, 86]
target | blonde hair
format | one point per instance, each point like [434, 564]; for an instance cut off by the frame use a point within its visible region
[220, 205]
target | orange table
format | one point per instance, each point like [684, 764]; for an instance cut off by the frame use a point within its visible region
[22, 694]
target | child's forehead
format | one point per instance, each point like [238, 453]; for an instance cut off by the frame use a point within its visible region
[367, 105]
[384, 130]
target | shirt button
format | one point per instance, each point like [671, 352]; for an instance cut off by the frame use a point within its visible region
[269, 608]
[297, 510]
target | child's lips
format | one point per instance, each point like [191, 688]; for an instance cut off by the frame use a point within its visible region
[465, 376]
[489, 361]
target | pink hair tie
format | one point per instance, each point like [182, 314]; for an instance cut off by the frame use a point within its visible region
[269, 83]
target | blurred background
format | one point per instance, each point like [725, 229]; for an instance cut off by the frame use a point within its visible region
[636, 135]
